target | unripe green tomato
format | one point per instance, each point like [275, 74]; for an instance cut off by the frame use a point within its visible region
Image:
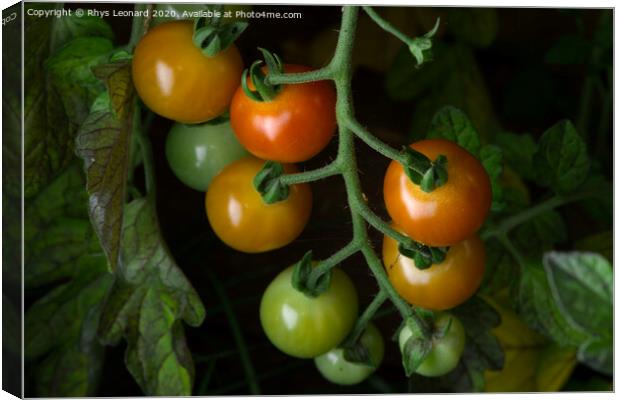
[303, 326]
[446, 351]
[336, 369]
[196, 153]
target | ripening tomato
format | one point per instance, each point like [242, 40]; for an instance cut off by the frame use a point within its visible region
[294, 126]
[196, 153]
[177, 81]
[240, 217]
[449, 214]
[446, 349]
[303, 326]
[336, 369]
[441, 286]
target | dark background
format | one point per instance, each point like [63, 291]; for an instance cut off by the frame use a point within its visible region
[526, 94]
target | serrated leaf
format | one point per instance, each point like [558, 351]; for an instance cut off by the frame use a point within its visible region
[535, 305]
[103, 144]
[70, 71]
[561, 161]
[500, 268]
[475, 26]
[540, 233]
[149, 300]
[452, 124]
[72, 26]
[581, 284]
[518, 151]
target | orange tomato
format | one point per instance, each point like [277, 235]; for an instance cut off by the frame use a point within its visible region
[441, 286]
[241, 219]
[449, 214]
[294, 126]
[175, 80]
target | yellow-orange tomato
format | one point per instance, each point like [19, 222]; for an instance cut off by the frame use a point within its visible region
[242, 220]
[449, 214]
[441, 286]
[294, 126]
[175, 80]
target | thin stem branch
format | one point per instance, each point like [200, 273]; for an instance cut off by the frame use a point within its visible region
[372, 141]
[335, 259]
[364, 319]
[385, 25]
[328, 170]
[321, 74]
[146, 150]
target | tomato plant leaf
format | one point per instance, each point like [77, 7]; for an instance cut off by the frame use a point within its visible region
[561, 161]
[452, 124]
[598, 355]
[518, 151]
[536, 307]
[540, 233]
[581, 284]
[500, 268]
[147, 304]
[72, 26]
[103, 144]
[492, 159]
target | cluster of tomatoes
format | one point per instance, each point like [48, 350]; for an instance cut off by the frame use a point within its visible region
[175, 79]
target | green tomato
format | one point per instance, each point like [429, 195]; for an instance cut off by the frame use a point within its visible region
[446, 350]
[196, 153]
[336, 369]
[303, 326]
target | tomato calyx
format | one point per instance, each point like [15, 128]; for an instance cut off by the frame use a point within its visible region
[302, 280]
[427, 174]
[423, 256]
[420, 47]
[416, 349]
[212, 36]
[263, 91]
[358, 353]
[267, 183]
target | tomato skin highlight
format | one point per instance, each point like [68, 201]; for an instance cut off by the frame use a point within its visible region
[196, 153]
[449, 214]
[306, 327]
[446, 351]
[336, 369]
[441, 286]
[294, 126]
[241, 219]
[175, 80]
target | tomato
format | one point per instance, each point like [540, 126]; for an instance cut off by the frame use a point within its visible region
[196, 153]
[449, 214]
[441, 286]
[243, 221]
[446, 351]
[175, 80]
[295, 126]
[336, 369]
[303, 326]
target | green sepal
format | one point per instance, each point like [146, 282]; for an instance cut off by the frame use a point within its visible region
[301, 276]
[211, 37]
[414, 353]
[423, 256]
[421, 171]
[264, 91]
[267, 183]
[420, 47]
[358, 353]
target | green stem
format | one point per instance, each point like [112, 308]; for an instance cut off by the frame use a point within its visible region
[373, 142]
[335, 259]
[244, 354]
[364, 319]
[277, 78]
[511, 222]
[330, 169]
[147, 152]
[139, 26]
[386, 26]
